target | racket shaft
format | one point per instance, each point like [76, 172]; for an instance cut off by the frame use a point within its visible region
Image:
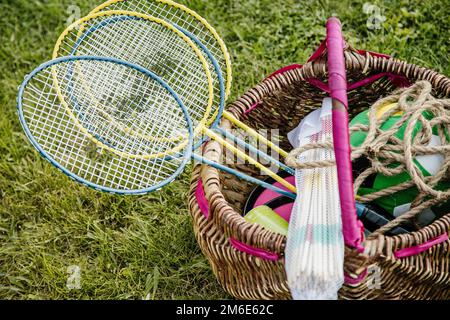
[254, 134]
[241, 154]
[243, 176]
[255, 150]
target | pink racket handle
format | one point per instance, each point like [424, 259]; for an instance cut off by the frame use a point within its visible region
[337, 82]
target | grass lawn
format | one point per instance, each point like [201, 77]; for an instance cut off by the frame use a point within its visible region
[139, 247]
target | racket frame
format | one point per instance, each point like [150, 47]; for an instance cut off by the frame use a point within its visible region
[202, 20]
[187, 152]
[117, 15]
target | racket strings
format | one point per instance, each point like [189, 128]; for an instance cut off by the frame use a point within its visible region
[94, 120]
[53, 128]
[89, 83]
[205, 37]
[150, 45]
[178, 17]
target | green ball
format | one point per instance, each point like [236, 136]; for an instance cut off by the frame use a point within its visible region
[399, 202]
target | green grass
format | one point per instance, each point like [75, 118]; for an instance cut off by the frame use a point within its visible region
[136, 247]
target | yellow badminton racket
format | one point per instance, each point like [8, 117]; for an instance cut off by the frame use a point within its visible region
[115, 34]
[187, 19]
[150, 43]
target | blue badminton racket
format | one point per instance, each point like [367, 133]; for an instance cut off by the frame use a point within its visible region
[56, 109]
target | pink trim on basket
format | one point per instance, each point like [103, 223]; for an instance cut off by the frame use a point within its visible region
[315, 82]
[354, 281]
[319, 84]
[201, 199]
[253, 107]
[322, 47]
[284, 69]
[257, 252]
[204, 209]
[375, 54]
[412, 251]
[318, 51]
[398, 80]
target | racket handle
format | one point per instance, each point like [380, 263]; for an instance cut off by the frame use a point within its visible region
[251, 148]
[254, 134]
[243, 176]
[241, 154]
[372, 217]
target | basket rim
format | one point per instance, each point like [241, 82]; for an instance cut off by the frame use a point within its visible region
[234, 225]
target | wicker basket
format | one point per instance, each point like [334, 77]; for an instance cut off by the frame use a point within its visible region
[247, 259]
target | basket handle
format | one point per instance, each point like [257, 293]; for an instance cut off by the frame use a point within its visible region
[337, 81]
[414, 250]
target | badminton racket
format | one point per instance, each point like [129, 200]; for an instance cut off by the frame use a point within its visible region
[150, 43]
[101, 155]
[117, 34]
[187, 19]
[183, 17]
[63, 123]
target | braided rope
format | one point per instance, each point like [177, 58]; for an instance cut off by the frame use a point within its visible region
[383, 148]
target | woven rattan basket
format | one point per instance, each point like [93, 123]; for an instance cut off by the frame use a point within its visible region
[247, 259]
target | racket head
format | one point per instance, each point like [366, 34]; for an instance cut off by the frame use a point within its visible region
[151, 43]
[79, 153]
[185, 18]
